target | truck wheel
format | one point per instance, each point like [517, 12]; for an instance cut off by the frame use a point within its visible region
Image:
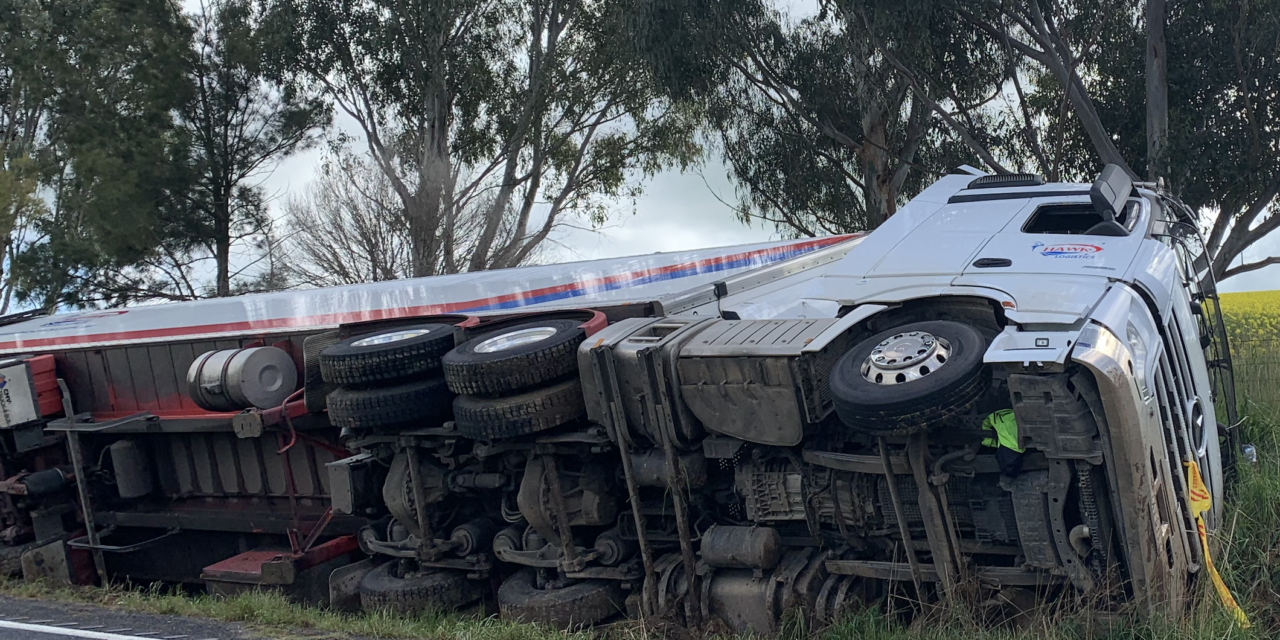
[384, 356]
[898, 381]
[427, 400]
[529, 412]
[442, 591]
[577, 605]
[515, 358]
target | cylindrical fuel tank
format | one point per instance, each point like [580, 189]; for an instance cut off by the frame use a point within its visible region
[235, 379]
[741, 547]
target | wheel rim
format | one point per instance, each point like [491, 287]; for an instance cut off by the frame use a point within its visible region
[904, 357]
[515, 339]
[393, 336]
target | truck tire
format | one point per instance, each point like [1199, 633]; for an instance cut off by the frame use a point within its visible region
[440, 591]
[515, 358]
[577, 605]
[386, 356]
[899, 381]
[518, 415]
[418, 401]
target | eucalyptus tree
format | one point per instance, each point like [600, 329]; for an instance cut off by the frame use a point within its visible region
[494, 121]
[1184, 92]
[820, 129]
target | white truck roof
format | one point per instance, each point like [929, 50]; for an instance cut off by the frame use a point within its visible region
[932, 245]
[576, 284]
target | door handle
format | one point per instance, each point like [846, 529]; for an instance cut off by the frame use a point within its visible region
[987, 263]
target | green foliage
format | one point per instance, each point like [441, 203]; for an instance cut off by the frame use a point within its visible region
[1224, 97]
[820, 130]
[148, 133]
[235, 125]
[96, 83]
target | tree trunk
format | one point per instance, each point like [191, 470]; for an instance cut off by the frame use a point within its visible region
[222, 250]
[434, 172]
[876, 177]
[1157, 88]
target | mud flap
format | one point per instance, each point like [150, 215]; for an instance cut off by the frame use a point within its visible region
[344, 585]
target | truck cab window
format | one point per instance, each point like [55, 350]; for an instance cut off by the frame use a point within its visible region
[1074, 219]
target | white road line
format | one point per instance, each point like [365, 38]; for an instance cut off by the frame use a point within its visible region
[63, 631]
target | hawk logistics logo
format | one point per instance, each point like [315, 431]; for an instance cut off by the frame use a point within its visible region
[1067, 250]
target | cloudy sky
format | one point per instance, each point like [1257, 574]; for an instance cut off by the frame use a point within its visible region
[682, 210]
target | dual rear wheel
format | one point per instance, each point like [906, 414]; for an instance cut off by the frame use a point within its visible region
[510, 382]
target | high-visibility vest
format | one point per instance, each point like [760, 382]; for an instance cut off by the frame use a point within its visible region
[1005, 425]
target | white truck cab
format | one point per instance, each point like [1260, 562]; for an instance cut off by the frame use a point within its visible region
[1084, 309]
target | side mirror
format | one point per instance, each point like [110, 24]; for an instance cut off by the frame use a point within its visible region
[1110, 191]
[1109, 194]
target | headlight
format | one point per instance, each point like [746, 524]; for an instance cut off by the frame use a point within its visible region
[1139, 348]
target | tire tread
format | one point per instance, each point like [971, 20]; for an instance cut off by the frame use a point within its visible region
[439, 591]
[523, 414]
[339, 364]
[418, 400]
[577, 605]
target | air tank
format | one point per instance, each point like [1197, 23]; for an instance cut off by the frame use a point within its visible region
[235, 379]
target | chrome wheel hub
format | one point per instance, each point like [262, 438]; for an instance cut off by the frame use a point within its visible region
[905, 357]
[515, 339]
[393, 336]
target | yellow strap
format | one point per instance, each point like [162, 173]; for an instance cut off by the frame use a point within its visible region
[1202, 501]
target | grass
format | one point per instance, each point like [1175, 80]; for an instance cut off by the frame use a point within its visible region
[277, 617]
[1248, 556]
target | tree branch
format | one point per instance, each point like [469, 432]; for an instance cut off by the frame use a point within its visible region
[1251, 266]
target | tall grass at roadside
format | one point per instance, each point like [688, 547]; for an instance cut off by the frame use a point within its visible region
[1250, 549]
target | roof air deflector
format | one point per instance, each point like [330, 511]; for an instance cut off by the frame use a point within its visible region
[1007, 180]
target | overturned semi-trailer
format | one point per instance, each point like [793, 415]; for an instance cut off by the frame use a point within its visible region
[1010, 387]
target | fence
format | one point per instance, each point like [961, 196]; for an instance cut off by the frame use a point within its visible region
[1257, 369]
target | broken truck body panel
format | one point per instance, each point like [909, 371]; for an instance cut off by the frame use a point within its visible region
[724, 434]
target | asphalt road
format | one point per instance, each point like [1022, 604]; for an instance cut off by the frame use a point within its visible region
[40, 620]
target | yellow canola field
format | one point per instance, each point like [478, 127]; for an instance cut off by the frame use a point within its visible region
[1253, 326]
[1253, 316]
